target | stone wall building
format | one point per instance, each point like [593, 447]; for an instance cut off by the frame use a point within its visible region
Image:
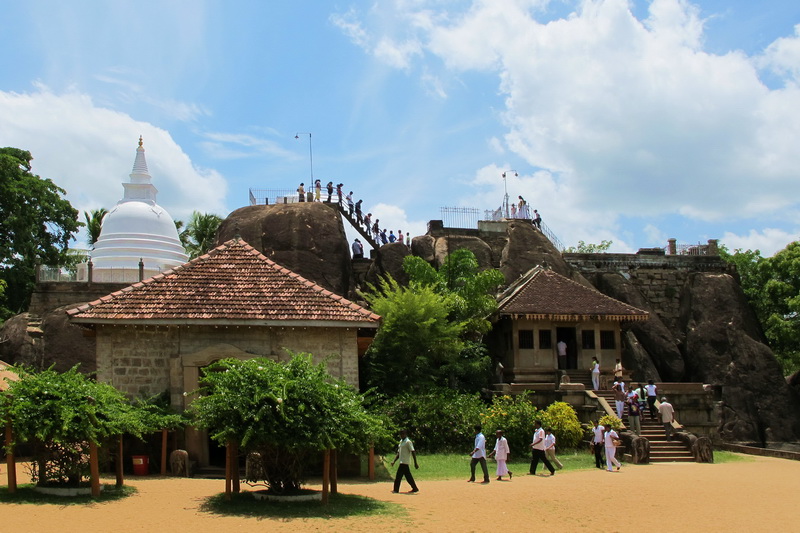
[157, 335]
[544, 308]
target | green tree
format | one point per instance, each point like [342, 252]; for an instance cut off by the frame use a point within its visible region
[283, 414]
[470, 289]
[772, 286]
[57, 414]
[589, 248]
[36, 225]
[94, 223]
[200, 233]
[416, 341]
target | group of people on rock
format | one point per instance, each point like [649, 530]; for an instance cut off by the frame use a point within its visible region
[301, 191]
[521, 209]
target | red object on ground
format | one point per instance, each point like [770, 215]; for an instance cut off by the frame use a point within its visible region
[141, 465]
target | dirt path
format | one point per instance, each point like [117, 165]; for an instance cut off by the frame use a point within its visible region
[744, 496]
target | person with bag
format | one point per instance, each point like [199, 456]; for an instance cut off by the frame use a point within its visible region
[611, 441]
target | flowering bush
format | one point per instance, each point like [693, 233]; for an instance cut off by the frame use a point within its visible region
[564, 420]
[515, 416]
[611, 420]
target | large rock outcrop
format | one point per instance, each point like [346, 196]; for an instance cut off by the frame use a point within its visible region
[389, 261]
[724, 347]
[661, 344]
[53, 342]
[528, 247]
[306, 238]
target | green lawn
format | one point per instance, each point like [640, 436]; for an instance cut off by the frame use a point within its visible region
[439, 466]
[454, 466]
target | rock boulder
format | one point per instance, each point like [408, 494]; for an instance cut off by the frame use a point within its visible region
[306, 238]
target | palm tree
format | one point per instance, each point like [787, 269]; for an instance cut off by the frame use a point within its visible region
[200, 233]
[94, 223]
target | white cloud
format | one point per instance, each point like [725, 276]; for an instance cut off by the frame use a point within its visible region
[396, 219]
[241, 145]
[627, 116]
[768, 241]
[783, 56]
[89, 151]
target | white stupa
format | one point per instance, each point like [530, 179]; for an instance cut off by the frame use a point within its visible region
[137, 229]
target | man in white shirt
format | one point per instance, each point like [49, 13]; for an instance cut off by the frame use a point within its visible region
[478, 455]
[597, 443]
[537, 448]
[550, 448]
[501, 453]
[405, 452]
[652, 392]
[667, 416]
[561, 348]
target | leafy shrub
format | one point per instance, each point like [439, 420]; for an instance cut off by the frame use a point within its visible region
[515, 416]
[562, 418]
[611, 420]
[284, 412]
[58, 414]
[438, 420]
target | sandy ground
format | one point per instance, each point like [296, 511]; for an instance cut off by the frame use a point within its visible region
[761, 495]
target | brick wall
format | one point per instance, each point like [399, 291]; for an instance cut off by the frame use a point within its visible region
[150, 360]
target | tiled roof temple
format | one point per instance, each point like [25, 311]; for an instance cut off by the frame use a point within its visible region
[232, 284]
[542, 293]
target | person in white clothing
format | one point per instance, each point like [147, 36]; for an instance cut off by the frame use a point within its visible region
[597, 443]
[667, 416]
[619, 398]
[652, 392]
[561, 348]
[478, 455]
[537, 450]
[609, 439]
[501, 453]
[595, 374]
[550, 448]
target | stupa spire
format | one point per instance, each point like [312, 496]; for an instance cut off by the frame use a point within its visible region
[140, 174]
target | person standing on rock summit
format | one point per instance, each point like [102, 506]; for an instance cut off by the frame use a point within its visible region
[301, 193]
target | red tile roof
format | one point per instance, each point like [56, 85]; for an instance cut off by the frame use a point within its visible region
[232, 284]
[544, 294]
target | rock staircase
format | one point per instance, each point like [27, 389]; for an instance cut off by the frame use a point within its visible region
[661, 450]
[354, 222]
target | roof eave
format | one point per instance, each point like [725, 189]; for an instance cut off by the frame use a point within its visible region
[226, 322]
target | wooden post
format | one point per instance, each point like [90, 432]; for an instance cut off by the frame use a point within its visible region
[11, 463]
[228, 461]
[334, 475]
[326, 472]
[94, 468]
[371, 465]
[120, 464]
[235, 467]
[164, 435]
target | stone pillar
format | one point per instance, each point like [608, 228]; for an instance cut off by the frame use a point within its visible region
[713, 246]
[89, 269]
[673, 247]
[141, 269]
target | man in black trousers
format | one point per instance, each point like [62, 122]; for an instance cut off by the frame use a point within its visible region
[537, 447]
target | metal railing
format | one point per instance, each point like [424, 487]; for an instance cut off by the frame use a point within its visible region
[691, 249]
[460, 217]
[286, 196]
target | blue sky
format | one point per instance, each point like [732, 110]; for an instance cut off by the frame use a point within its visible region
[630, 121]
